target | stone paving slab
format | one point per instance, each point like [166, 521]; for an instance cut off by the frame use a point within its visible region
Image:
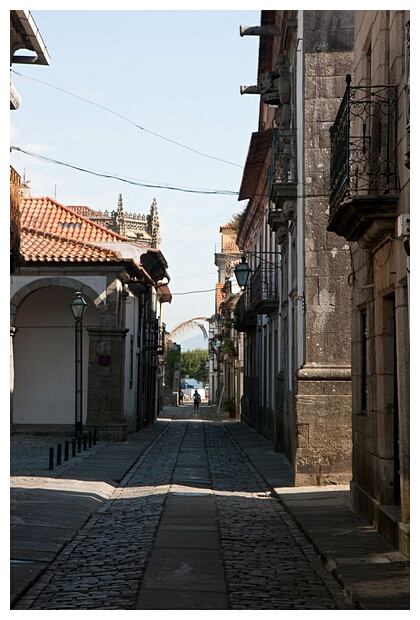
[185, 569]
[180, 537]
[31, 543]
[378, 586]
[47, 510]
[374, 576]
[181, 600]
[23, 575]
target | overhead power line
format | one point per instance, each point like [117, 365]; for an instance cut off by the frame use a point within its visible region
[124, 118]
[190, 190]
[209, 290]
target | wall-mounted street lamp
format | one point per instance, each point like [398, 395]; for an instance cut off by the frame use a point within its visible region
[78, 307]
[243, 273]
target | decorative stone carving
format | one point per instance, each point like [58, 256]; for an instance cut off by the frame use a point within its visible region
[133, 226]
[269, 30]
[289, 210]
[268, 87]
[282, 232]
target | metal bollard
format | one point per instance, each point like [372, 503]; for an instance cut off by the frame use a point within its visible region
[66, 450]
[79, 445]
[51, 465]
[73, 447]
[90, 439]
[85, 442]
[59, 454]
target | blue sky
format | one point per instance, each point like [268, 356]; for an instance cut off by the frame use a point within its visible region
[116, 79]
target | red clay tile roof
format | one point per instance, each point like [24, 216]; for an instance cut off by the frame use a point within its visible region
[46, 247]
[53, 232]
[47, 215]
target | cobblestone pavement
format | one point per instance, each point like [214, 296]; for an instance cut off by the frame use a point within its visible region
[29, 454]
[268, 562]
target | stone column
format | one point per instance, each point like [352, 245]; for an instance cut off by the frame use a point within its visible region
[105, 407]
[403, 379]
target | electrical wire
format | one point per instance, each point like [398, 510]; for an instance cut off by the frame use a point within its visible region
[209, 290]
[124, 118]
[223, 192]
[190, 190]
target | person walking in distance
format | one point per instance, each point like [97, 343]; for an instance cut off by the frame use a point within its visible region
[197, 400]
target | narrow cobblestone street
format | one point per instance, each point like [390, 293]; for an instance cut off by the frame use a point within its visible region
[192, 526]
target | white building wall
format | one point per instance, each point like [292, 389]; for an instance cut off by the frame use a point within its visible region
[43, 350]
[44, 358]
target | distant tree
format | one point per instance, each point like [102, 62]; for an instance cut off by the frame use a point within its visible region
[173, 357]
[194, 365]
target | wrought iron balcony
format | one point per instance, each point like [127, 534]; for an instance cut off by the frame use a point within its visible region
[154, 338]
[264, 289]
[282, 174]
[244, 318]
[363, 174]
[161, 340]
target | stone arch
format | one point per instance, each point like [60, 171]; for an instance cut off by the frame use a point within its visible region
[42, 350]
[64, 281]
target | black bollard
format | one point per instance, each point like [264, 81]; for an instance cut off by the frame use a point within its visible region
[73, 447]
[59, 454]
[90, 439]
[79, 444]
[51, 465]
[85, 442]
[66, 450]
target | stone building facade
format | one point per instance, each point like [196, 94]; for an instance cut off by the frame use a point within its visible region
[136, 227]
[370, 208]
[124, 287]
[225, 342]
[296, 313]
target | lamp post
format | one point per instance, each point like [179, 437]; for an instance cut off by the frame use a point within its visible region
[243, 273]
[78, 307]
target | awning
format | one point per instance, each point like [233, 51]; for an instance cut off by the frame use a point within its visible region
[257, 153]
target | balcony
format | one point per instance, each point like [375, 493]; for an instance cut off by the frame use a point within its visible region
[244, 318]
[264, 289]
[363, 175]
[282, 174]
[154, 338]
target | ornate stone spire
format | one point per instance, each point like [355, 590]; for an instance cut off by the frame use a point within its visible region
[153, 225]
[119, 217]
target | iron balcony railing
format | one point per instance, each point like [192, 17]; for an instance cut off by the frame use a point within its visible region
[283, 168]
[363, 144]
[264, 288]
[244, 318]
[154, 338]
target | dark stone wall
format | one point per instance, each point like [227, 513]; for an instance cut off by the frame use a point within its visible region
[328, 31]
